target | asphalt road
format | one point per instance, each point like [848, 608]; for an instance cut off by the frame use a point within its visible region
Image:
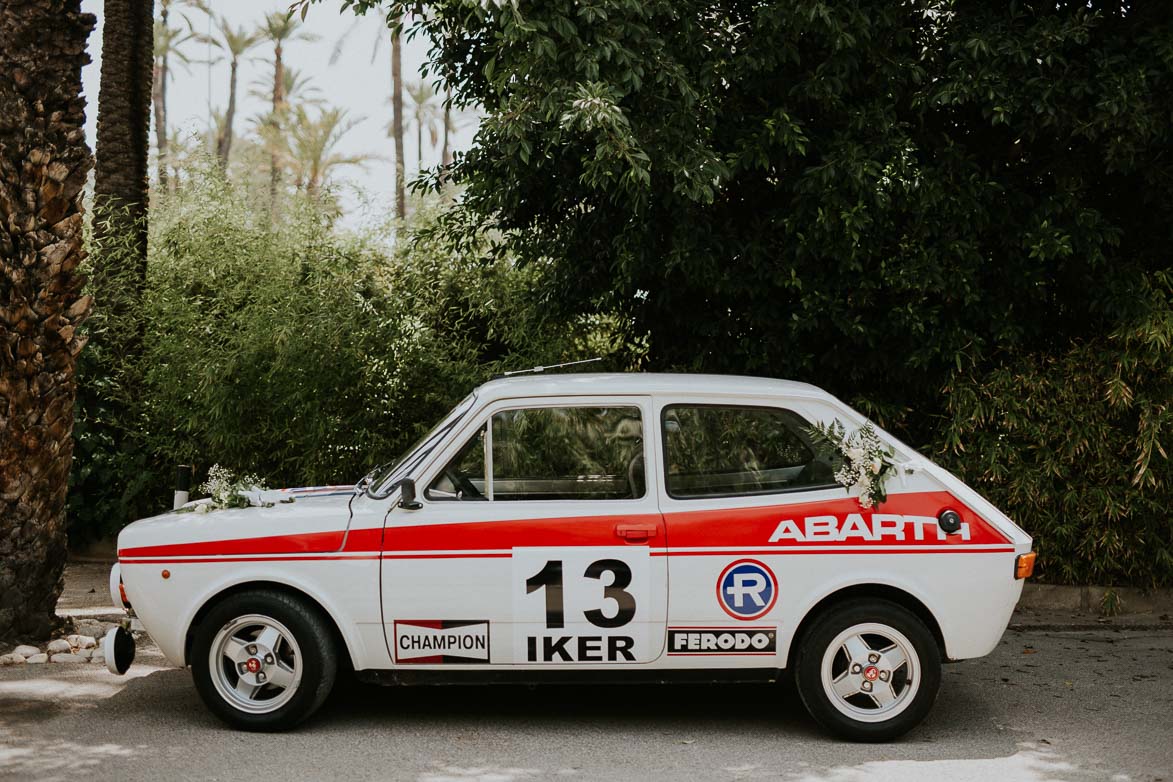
[1063, 705]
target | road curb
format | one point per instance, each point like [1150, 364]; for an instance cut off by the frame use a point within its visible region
[1087, 627]
[1096, 600]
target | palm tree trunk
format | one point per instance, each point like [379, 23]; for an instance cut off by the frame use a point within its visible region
[397, 120]
[159, 97]
[224, 143]
[446, 153]
[278, 109]
[121, 187]
[121, 180]
[44, 161]
[159, 94]
[419, 144]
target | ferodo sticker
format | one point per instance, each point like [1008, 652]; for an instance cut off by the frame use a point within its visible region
[747, 589]
[441, 641]
[693, 641]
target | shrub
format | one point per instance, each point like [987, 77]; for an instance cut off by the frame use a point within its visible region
[1074, 447]
[296, 351]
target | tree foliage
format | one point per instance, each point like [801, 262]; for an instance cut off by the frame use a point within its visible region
[891, 200]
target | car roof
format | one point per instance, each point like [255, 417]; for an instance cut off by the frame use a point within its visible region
[642, 383]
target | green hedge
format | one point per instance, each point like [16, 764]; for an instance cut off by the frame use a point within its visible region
[294, 350]
[1074, 446]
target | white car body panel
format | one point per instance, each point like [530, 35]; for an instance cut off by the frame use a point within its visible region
[456, 571]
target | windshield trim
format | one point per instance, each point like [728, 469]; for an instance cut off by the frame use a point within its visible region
[412, 459]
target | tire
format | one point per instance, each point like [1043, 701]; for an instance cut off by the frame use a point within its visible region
[858, 646]
[275, 660]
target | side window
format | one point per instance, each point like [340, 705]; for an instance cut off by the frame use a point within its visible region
[549, 453]
[715, 451]
[463, 478]
[568, 453]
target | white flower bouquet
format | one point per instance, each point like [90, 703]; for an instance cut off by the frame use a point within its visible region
[866, 463]
[225, 490]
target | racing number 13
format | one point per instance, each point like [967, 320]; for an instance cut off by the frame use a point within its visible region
[550, 579]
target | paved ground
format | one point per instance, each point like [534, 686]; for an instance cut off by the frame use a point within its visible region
[1089, 704]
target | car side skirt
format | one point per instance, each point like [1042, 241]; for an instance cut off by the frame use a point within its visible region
[403, 678]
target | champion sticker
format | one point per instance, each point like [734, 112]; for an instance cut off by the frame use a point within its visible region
[747, 589]
[441, 641]
[694, 641]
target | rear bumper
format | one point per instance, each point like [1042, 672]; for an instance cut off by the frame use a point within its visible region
[975, 619]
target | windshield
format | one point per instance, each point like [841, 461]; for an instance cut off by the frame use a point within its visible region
[385, 477]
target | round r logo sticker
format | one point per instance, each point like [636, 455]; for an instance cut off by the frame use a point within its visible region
[747, 589]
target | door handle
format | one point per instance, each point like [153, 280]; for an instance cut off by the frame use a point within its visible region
[635, 533]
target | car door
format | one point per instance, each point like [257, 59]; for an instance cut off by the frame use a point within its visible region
[538, 542]
[731, 470]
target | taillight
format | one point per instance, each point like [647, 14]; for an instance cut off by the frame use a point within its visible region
[1024, 565]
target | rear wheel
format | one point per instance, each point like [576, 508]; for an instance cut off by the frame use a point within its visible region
[263, 660]
[868, 670]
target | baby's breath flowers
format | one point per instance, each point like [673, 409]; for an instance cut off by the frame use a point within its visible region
[228, 491]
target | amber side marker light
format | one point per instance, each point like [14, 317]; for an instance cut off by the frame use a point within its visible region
[1024, 565]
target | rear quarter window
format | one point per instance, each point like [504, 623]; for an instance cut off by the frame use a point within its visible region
[725, 451]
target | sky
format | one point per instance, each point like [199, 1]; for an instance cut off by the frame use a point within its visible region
[354, 83]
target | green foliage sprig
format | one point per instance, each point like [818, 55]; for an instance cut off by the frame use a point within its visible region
[866, 461]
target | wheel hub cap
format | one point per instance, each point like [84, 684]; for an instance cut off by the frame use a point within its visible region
[255, 664]
[870, 672]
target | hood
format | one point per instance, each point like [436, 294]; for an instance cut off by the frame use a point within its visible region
[301, 520]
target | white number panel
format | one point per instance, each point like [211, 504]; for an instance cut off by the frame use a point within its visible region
[589, 604]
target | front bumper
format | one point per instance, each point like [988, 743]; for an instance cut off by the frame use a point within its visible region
[118, 646]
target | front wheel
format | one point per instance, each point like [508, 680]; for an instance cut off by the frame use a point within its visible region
[868, 670]
[263, 660]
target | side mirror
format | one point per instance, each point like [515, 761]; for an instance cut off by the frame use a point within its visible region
[407, 499]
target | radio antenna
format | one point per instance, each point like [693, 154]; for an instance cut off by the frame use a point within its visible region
[539, 369]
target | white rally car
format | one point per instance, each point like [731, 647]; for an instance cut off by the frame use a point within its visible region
[590, 527]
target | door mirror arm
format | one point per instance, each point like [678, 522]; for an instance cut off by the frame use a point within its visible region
[407, 499]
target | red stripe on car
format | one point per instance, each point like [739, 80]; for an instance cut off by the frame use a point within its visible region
[904, 524]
